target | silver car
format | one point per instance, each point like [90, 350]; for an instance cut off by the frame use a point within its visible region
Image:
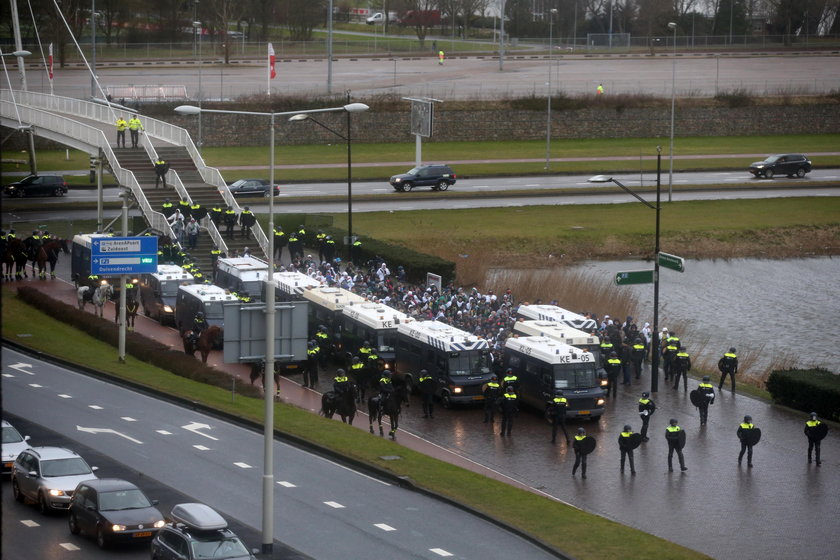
[13, 444]
[48, 476]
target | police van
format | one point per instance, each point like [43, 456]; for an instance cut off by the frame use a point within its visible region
[544, 365]
[290, 286]
[243, 275]
[201, 297]
[327, 305]
[557, 314]
[80, 258]
[375, 323]
[459, 361]
[159, 290]
[562, 333]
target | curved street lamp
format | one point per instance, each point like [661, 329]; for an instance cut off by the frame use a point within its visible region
[673, 27]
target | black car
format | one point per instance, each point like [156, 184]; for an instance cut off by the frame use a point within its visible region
[782, 164]
[252, 187]
[198, 532]
[38, 185]
[113, 510]
[437, 176]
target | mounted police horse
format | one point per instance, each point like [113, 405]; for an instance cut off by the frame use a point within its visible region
[388, 404]
[208, 338]
[343, 404]
[15, 259]
[48, 254]
[99, 297]
[131, 308]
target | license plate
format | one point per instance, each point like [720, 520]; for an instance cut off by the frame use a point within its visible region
[143, 534]
[8, 465]
[479, 398]
[584, 412]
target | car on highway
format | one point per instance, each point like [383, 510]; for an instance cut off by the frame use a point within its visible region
[13, 444]
[48, 476]
[197, 531]
[37, 185]
[113, 510]
[782, 164]
[252, 187]
[437, 176]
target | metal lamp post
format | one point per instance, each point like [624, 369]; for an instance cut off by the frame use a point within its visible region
[268, 421]
[654, 343]
[349, 108]
[672, 26]
[198, 31]
[548, 111]
[93, 47]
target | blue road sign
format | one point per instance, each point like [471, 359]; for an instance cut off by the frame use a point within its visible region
[111, 256]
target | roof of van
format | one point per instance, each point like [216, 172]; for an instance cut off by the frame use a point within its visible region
[376, 315]
[172, 272]
[294, 282]
[555, 330]
[208, 292]
[554, 313]
[548, 350]
[85, 239]
[443, 336]
[334, 299]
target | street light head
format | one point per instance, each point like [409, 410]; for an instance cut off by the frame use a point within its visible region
[196, 24]
[187, 110]
[21, 53]
[672, 25]
[553, 10]
[299, 117]
[356, 108]
[600, 179]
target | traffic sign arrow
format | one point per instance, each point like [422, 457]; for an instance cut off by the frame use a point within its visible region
[634, 277]
[196, 426]
[672, 261]
[107, 431]
[22, 367]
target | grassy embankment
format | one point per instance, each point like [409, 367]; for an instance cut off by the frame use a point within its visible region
[595, 538]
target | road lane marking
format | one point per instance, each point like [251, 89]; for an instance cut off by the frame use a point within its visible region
[30, 523]
[63, 396]
[22, 367]
[440, 552]
[35, 385]
[128, 418]
[384, 527]
[201, 448]
[68, 546]
[107, 431]
[335, 505]
[286, 484]
[196, 426]
[164, 432]
[8, 375]
[95, 406]
[243, 465]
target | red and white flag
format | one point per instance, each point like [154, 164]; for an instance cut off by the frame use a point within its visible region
[50, 64]
[272, 73]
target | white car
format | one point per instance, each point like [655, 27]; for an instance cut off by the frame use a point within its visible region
[48, 476]
[13, 444]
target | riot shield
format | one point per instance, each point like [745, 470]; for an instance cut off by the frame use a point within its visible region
[680, 439]
[634, 441]
[819, 432]
[587, 445]
[751, 436]
[697, 398]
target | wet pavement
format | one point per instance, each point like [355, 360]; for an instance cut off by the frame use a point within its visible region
[781, 508]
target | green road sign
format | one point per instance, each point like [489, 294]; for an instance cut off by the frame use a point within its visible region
[634, 277]
[672, 261]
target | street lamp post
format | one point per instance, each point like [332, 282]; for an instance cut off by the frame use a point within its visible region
[268, 379]
[548, 116]
[672, 26]
[349, 108]
[93, 48]
[30, 130]
[654, 342]
[197, 28]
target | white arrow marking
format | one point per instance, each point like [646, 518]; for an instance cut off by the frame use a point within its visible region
[107, 431]
[68, 546]
[286, 484]
[22, 367]
[384, 526]
[196, 426]
[30, 523]
[440, 552]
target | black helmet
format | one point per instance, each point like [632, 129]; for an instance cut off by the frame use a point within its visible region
[199, 315]
[732, 349]
[558, 393]
[706, 379]
[508, 370]
[367, 343]
[424, 372]
[645, 395]
[581, 431]
[339, 372]
[613, 354]
[627, 428]
[638, 341]
[311, 344]
[747, 418]
[386, 372]
[813, 415]
[673, 421]
[322, 328]
[356, 359]
[494, 378]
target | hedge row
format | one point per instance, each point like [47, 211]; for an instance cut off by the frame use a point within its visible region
[140, 347]
[810, 390]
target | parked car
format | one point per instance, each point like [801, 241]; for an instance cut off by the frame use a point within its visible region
[782, 164]
[197, 531]
[437, 176]
[48, 476]
[252, 187]
[113, 510]
[379, 17]
[38, 185]
[13, 444]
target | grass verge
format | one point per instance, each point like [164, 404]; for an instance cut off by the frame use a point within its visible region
[595, 537]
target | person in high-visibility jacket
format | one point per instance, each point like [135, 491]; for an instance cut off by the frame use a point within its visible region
[134, 126]
[121, 126]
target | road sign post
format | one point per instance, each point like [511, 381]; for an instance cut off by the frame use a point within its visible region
[672, 261]
[110, 256]
[634, 277]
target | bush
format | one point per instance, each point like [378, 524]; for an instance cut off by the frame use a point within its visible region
[811, 390]
[137, 345]
[734, 99]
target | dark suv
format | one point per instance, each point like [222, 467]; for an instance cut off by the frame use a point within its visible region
[782, 164]
[38, 185]
[437, 176]
[252, 187]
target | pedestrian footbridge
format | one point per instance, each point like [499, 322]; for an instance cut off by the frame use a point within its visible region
[89, 127]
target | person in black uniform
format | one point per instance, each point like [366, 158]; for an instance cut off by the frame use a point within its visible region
[624, 447]
[811, 427]
[669, 351]
[310, 372]
[246, 221]
[708, 390]
[230, 222]
[512, 380]
[646, 409]
[672, 434]
[491, 392]
[509, 410]
[746, 446]
[613, 367]
[728, 365]
[557, 413]
[680, 366]
[359, 372]
[580, 458]
[428, 387]
[637, 356]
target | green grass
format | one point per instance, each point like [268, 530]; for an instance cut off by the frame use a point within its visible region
[595, 537]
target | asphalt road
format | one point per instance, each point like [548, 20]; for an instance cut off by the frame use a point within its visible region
[320, 506]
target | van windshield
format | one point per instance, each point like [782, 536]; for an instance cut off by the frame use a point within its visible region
[169, 288]
[575, 376]
[253, 288]
[469, 363]
[386, 342]
[214, 310]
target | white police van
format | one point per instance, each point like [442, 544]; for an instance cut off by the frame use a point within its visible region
[243, 275]
[544, 365]
[375, 323]
[327, 305]
[459, 361]
[290, 286]
[159, 290]
[561, 333]
[557, 314]
[201, 297]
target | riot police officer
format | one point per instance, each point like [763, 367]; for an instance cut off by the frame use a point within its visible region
[676, 440]
[557, 413]
[728, 365]
[428, 387]
[707, 391]
[580, 456]
[646, 409]
[747, 442]
[509, 410]
[613, 367]
[310, 373]
[626, 448]
[680, 366]
[491, 392]
[815, 430]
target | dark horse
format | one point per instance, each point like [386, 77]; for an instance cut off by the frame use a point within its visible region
[48, 254]
[131, 308]
[258, 371]
[387, 405]
[15, 259]
[342, 403]
[208, 338]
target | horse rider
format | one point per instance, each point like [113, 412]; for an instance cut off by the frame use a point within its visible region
[386, 386]
[199, 326]
[341, 384]
[360, 374]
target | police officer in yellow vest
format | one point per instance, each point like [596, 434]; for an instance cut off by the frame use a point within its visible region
[637, 355]
[746, 443]
[230, 222]
[510, 380]
[310, 372]
[613, 367]
[675, 443]
[708, 391]
[580, 457]
[280, 241]
[646, 409]
[491, 391]
[728, 365]
[814, 430]
[359, 373]
[161, 167]
[680, 367]
[509, 410]
[625, 448]
[134, 126]
[428, 386]
[557, 412]
[167, 208]
[121, 126]
[323, 340]
[669, 351]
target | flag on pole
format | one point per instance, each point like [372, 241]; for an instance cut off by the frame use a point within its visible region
[50, 65]
[271, 59]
